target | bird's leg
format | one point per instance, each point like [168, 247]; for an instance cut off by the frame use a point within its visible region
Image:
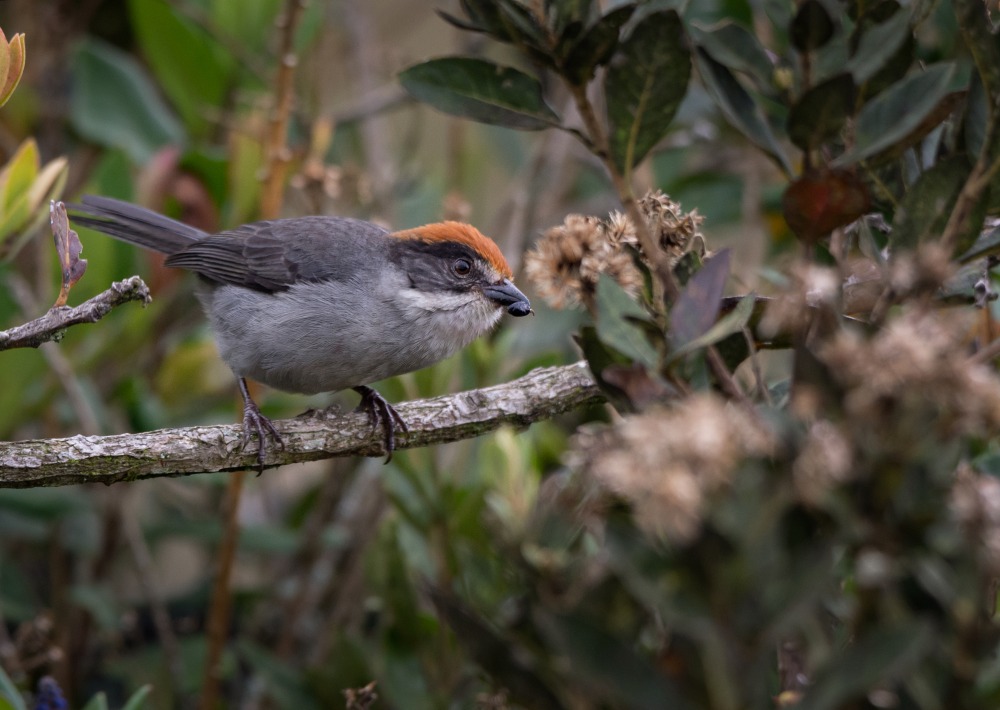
[256, 423]
[382, 416]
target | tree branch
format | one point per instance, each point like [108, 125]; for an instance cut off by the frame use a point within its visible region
[541, 394]
[52, 325]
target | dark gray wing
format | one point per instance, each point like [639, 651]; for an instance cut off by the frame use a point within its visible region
[271, 256]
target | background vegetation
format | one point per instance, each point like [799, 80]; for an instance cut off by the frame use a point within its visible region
[790, 501]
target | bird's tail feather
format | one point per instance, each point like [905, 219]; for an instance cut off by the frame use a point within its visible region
[134, 224]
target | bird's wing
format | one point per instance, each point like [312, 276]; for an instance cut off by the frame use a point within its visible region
[271, 256]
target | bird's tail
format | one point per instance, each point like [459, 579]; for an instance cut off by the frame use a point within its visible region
[134, 224]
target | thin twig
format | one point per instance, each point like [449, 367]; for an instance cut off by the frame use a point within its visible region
[53, 324]
[146, 574]
[276, 150]
[661, 265]
[221, 605]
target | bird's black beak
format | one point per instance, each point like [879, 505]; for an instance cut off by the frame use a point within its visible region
[506, 294]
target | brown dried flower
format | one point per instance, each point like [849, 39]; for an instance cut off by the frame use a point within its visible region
[826, 459]
[667, 462]
[567, 261]
[913, 365]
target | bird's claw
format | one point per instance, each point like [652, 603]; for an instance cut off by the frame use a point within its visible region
[382, 416]
[254, 422]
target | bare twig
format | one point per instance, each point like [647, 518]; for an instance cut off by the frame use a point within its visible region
[147, 576]
[276, 151]
[541, 394]
[53, 324]
[221, 605]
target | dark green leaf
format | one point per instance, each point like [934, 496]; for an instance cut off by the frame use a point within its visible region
[600, 357]
[878, 44]
[485, 15]
[897, 112]
[138, 699]
[509, 664]
[699, 303]
[609, 665]
[595, 47]
[521, 24]
[565, 13]
[644, 86]
[988, 243]
[883, 653]
[927, 204]
[736, 47]
[739, 107]
[614, 309]
[480, 90]
[812, 26]
[821, 112]
[977, 116]
[115, 104]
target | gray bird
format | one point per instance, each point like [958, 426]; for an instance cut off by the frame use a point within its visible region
[322, 304]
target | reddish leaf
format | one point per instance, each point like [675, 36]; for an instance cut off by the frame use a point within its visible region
[68, 247]
[698, 306]
[822, 200]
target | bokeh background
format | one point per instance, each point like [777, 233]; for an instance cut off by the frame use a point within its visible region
[165, 103]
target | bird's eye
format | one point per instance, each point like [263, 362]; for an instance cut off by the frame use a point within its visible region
[461, 267]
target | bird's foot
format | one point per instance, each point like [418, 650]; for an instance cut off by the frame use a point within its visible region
[254, 422]
[382, 416]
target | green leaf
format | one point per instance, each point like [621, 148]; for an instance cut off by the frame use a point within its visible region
[18, 175]
[812, 26]
[9, 692]
[736, 47]
[596, 45]
[644, 86]
[882, 653]
[599, 357]
[610, 665]
[820, 113]
[897, 112]
[878, 44]
[138, 699]
[698, 305]
[250, 22]
[194, 71]
[480, 90]
[925, 208]
[614, 309]
[115, 104]
[98, 702]
[987, 244]
[739, 107]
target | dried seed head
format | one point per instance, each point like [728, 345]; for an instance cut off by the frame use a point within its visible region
[665, 463]
[567, 261]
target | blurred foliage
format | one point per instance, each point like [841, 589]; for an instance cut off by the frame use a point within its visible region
[841, 517]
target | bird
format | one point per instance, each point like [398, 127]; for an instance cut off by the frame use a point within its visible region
[322, 303]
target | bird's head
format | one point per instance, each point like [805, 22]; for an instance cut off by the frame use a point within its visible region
[451, 266]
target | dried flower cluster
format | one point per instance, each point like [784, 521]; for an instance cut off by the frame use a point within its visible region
[667, 462]
[914, 366]
[975, 503]
[567, 261]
